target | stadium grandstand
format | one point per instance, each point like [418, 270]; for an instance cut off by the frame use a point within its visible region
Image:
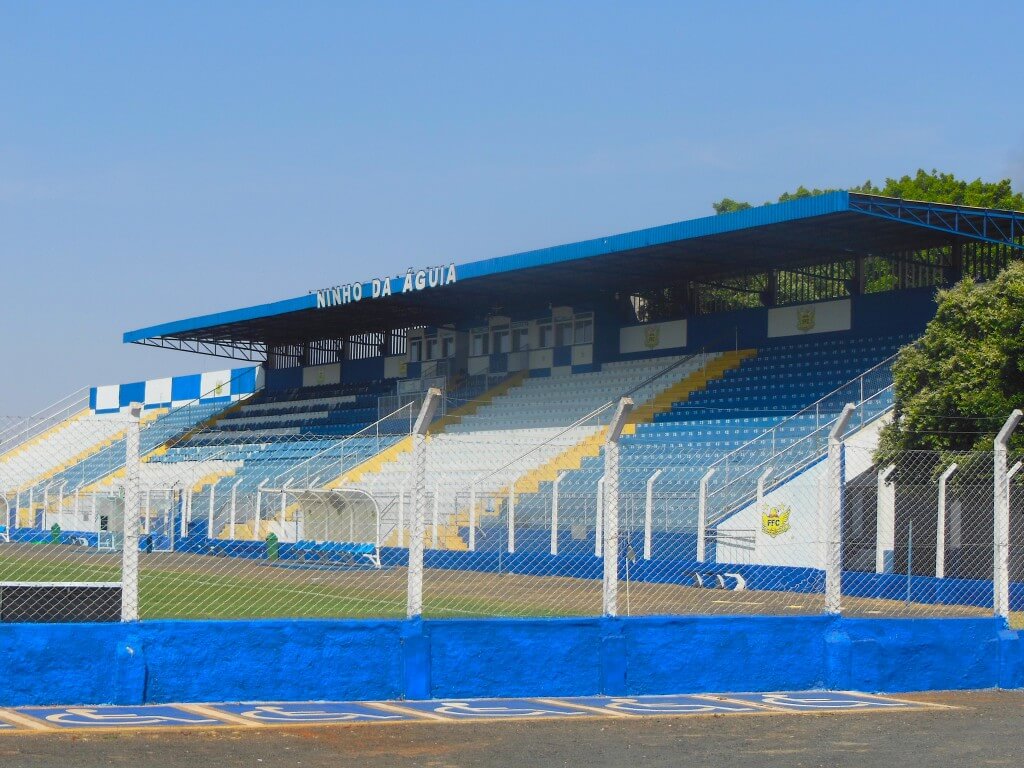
[738, 338]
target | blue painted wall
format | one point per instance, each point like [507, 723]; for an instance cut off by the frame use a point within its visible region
[162, 661]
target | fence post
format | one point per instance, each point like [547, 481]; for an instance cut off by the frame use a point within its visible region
[599, 519]
[760, 485]
[209, 518]
[1001, 529]
[186, 512]
[284, 502]
[401, 517]
[512, 517]
[434, 515]
[472, 517]
[256, 515]
[130, 541]
[702, 515]
[554, 512]
[611, 507]
[834, 512]
[940, 523]
[885, 521]
[649, 513]
[414, 599]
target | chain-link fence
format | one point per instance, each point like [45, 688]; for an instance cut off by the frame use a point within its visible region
[555, 500]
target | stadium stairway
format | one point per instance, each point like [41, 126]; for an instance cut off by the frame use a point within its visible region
[590, 447]
[687, 435]
[531, 428]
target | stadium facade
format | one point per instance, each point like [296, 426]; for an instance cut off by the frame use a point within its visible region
[742, 342]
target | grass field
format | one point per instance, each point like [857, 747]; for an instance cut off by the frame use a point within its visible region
[182, 586]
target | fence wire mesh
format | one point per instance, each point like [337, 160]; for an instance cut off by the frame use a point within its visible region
[61, 523]
[519, 505]
[918, 534]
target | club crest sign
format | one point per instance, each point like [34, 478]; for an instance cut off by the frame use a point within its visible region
[652, 337]
[775, 520]
[805, 319]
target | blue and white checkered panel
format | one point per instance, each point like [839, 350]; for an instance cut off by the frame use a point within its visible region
[213, 386]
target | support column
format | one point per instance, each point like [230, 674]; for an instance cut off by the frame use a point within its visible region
[1001, 513]
[554, 512]
[414, 599]
[940, 523]
[702, 515]
[611, 507]
[885, 521]
[649, 514]
[834, 512]
[130, 546]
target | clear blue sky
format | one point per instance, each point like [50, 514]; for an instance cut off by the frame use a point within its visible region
[159, 161]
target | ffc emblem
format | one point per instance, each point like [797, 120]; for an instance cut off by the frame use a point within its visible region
[805, 319]
[775, 520]
[652, 337]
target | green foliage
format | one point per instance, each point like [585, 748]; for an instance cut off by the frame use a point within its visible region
[956, 386]
[938, 187]
[728, 205]
[931, 187]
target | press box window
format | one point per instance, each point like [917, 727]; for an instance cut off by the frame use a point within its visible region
[480, 346]
[448, 347]
[546, 336]
[415, 350]
[431, 349]
[520, 339]
[502, 341]
[584, 331]
[563, 334]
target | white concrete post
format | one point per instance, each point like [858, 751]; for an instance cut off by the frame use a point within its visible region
[95, 517]
[760, 486]
[834, 512]
[702, 515]
[259, 502]
[885, 521]
[401, 517]
[130, 547]
[472, 518]
[554, 512]
[414, 599]
[234, 510]
[434, 516]
[186, 513]
[209, 516]
[940, 523]
[284, 502]
[649, 514]
[60, 504]
[599, 519]
[1001, 530]
[512, 517]
[611, 507]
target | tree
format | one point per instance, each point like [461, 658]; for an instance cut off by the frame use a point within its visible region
[934, 187]
[956, 386]
[728, 205]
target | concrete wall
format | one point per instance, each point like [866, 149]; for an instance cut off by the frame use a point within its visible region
[163, 661]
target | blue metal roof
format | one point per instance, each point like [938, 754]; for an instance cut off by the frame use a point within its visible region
[798, 230]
